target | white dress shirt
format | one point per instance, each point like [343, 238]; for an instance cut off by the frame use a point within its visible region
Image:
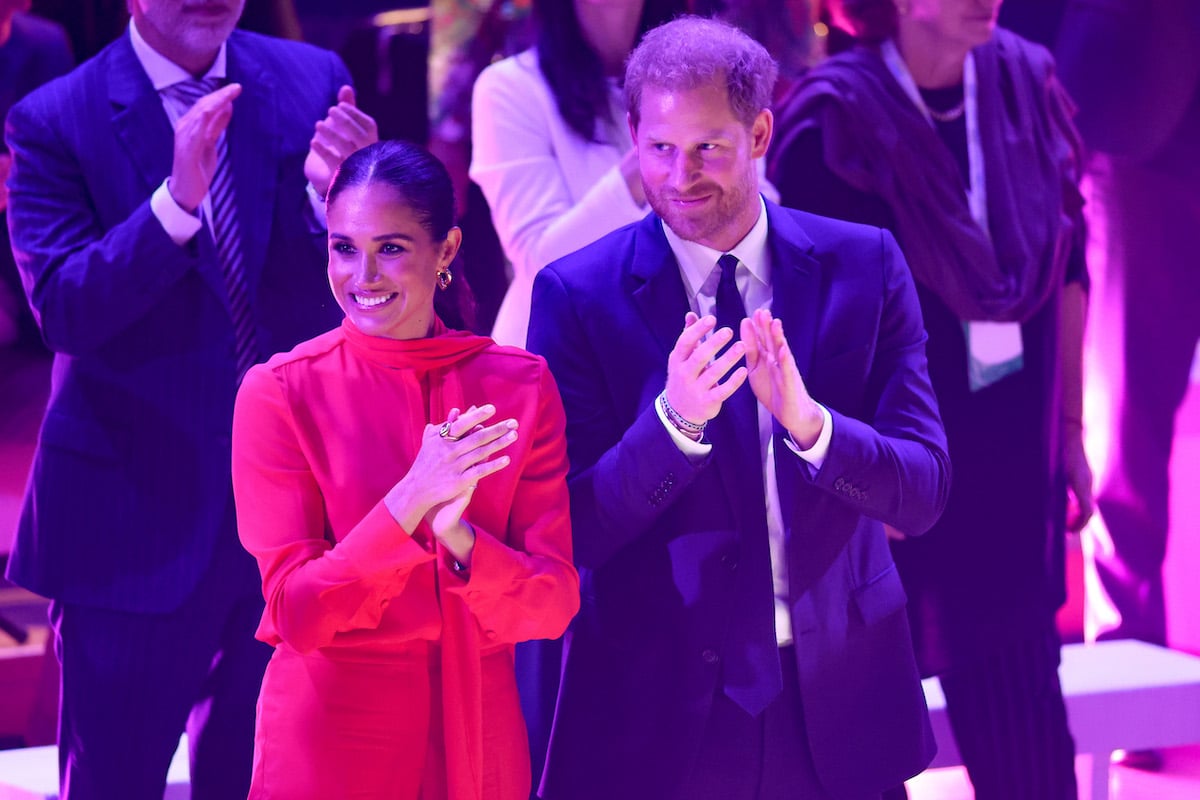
[700, 273]
[180, 225]
[163, 72]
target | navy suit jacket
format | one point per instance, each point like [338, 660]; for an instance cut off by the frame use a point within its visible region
[657, 535]
[130, 486]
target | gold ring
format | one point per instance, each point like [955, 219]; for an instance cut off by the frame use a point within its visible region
[444, 432]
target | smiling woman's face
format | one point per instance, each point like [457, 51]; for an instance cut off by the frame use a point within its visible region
[383, 262]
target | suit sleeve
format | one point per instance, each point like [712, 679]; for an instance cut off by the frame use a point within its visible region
[522, 584]
[623, 476]
[893, 466]
[313, 590]
[514, 162]
[85, 284]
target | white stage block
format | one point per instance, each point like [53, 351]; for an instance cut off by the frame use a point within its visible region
[1120, 695]
[31, 773]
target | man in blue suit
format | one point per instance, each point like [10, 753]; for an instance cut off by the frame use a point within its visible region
[742, 633]
[168, 234]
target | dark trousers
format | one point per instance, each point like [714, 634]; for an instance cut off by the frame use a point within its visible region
[1010, 723]
[132, 683]
[1145, 291]
[758, 758]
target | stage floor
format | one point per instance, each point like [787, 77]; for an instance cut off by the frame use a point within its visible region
[1178, 780]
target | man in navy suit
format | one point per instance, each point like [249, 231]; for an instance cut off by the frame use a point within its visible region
[742, 633]
[168, 234]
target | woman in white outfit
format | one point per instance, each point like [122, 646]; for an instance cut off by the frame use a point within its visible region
[552, 151]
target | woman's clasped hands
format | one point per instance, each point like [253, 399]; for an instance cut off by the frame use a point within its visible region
[454, 456]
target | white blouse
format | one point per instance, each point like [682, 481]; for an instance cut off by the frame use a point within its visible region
[550, 192]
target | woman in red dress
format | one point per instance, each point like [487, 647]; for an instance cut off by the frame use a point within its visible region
[403, 488]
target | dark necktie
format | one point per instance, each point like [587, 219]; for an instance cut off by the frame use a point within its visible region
[225, 231]
[752, 676]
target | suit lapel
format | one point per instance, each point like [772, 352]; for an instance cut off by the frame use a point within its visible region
[796, 283]
[142, 126]
[660, 297]
[795, 280]
[138, 116]
[254, 148]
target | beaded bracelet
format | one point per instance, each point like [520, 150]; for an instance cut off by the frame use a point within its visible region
[684, 426]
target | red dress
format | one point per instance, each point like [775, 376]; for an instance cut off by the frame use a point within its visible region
[393, 675]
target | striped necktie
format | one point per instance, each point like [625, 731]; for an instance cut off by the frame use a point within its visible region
[225, 231]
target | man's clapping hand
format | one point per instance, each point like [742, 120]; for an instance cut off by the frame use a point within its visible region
[346, 128]
[196, 136]
[698, 380]
[776, 380]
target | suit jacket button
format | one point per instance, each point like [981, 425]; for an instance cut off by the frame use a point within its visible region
[710, 657]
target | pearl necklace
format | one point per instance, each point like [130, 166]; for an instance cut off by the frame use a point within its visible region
[950, 114]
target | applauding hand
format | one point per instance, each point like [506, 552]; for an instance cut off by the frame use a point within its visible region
[697, 385]
[453, 458]
[346, 128]
[196, 135]
[775, 379]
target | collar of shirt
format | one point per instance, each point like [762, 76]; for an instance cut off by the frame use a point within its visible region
[164, 72]
[697, 263]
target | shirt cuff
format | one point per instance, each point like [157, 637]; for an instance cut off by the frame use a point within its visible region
[179, 224]
[688, 446]
[318, 204]
[815, 455]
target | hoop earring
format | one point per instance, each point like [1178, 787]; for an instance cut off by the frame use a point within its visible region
[444, 277]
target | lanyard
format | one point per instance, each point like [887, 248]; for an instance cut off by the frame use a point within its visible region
[977, 181]
[994, 349]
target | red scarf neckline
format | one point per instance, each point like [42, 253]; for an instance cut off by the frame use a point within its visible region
[443, 347]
